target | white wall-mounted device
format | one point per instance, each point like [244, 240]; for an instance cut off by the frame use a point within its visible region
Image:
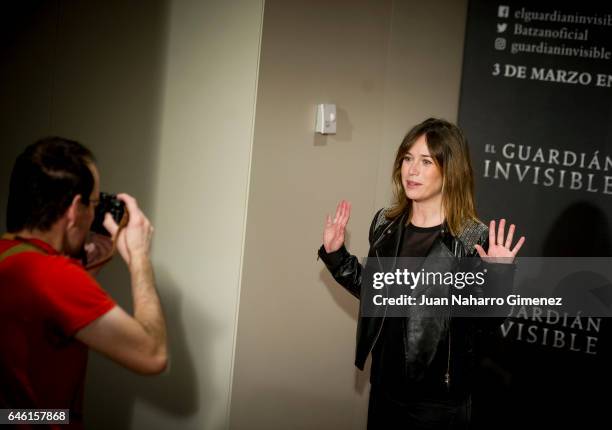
[326, 119]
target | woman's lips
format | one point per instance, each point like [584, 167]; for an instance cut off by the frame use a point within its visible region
[412, 184]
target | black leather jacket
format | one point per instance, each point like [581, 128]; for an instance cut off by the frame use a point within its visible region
[424, 334]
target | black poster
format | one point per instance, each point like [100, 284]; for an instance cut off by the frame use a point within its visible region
[536, 107]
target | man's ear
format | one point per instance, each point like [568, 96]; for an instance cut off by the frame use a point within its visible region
[73, 210]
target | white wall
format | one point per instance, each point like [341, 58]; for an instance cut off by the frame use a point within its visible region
[201, 194]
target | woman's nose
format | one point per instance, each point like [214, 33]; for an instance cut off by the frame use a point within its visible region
[413, 169]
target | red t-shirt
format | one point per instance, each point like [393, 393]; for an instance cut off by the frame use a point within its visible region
[45, 298]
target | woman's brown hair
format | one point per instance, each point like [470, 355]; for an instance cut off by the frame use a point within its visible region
[449, 150]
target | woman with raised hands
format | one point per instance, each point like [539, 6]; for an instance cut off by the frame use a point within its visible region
[422, 364]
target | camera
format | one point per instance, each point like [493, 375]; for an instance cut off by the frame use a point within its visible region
[111, 204]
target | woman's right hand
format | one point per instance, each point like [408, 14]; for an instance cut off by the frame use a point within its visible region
[333, 235]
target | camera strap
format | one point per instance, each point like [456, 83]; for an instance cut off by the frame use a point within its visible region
[23, 246]
[102, 261]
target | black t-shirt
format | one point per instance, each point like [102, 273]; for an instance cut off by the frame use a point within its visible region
[417, 241]
[388, 362]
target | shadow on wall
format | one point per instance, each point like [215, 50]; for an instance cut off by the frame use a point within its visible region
[582, 230]
[175, 392]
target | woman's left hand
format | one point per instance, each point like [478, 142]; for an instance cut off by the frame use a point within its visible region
[500, 250]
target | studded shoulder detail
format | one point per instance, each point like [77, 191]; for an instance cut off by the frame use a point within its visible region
[381, 218]
[471, 233]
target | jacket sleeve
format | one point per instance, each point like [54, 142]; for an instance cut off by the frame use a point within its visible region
[345, 267]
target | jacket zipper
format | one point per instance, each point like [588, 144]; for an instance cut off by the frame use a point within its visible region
[381, 326]
[447, 375]
[385, 231]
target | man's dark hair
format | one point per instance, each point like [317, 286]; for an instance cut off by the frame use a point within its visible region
[46, 177]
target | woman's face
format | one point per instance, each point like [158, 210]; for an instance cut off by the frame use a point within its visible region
[421, 177]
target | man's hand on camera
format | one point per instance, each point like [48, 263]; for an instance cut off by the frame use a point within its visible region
[134, 240]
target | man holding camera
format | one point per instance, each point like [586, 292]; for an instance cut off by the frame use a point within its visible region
[51, 309]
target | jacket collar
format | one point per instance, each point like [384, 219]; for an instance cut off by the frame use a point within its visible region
[388, 243]
[391, 236]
